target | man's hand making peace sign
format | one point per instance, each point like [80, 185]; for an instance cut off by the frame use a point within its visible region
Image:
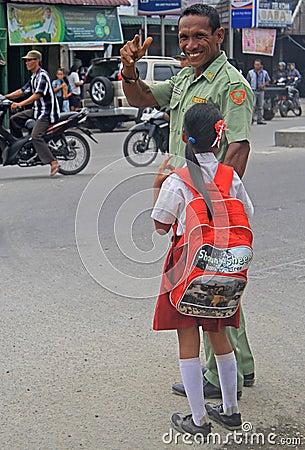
[133, 50]
[137, 92]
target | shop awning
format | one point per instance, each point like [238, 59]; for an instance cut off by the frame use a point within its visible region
[109, 3]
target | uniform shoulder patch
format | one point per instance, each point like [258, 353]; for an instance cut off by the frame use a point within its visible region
[238, 96]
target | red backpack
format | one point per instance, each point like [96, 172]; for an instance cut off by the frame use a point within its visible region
[206, 268]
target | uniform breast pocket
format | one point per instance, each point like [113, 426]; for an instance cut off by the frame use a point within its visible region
[175, 101]
[175, 104]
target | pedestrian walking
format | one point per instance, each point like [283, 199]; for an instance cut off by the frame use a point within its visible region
[202, 132]
[258, 78]
[209, 78]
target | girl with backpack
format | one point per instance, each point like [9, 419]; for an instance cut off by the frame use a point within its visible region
[202, 131]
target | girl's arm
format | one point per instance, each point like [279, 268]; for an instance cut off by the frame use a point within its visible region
[56, 89]
[161, 228]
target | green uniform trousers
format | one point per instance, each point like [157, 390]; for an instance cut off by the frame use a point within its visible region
[240, 345]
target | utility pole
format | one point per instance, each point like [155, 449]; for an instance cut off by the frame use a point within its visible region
[162, 18]
[231, 33]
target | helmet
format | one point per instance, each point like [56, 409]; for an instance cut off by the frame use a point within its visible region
[282, 63]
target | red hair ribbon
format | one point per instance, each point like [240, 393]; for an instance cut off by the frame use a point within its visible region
[220, 127]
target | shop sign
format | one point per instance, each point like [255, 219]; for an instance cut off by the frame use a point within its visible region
[242, 13]
[258, 41]
[62, 24]
[274, 14]
[160, 7]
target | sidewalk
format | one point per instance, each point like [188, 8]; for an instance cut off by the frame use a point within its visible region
[294, 136]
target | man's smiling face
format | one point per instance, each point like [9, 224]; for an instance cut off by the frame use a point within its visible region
[197, 41]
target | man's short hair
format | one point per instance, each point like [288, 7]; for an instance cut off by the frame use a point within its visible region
[199, 9]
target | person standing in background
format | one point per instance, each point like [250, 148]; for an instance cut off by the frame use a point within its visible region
[75, 84]
[66, 93]
[293, 75]
[58, 86]
[258, 78]
[280, 75]
[182, 59]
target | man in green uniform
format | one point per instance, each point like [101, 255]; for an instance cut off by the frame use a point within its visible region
[210, 78]
[220, 84]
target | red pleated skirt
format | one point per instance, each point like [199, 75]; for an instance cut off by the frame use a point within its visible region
[167, 317]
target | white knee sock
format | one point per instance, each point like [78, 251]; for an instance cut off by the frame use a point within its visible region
[192, 378]
[227, 372]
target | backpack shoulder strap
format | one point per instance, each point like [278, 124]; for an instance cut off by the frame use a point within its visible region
[224, 177]
[185, 176]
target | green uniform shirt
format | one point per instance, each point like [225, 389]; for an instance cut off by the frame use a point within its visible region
[220, 84]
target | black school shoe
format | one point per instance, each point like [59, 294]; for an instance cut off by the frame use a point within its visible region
[216, 413]
[185, 424]
[209, 390]
[249, 380]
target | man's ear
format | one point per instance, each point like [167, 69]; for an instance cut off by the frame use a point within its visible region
[184, 138]
[220, 34]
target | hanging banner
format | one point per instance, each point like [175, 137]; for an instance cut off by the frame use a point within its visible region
[160, 7]
[242, 13]
[274, 14]
[258, 41]
[62, 24]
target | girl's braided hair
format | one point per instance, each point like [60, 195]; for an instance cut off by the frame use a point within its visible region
[199, 127]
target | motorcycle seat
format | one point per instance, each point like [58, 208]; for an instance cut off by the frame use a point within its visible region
[66, 115]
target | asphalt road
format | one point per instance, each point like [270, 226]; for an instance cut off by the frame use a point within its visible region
[80, 365]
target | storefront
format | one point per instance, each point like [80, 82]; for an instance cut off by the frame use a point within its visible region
[54, 28]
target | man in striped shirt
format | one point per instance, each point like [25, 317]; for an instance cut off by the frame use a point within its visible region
[45, 109]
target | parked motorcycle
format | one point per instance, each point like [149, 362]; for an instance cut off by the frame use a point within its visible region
[273, 95]
[146, 138]
[291, 102]
[69, 147]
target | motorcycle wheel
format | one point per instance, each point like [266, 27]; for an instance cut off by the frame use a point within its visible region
[3, 144]
[268, 114]
[283, 108]
[139, 149]
[72, 152]
[297, 111]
